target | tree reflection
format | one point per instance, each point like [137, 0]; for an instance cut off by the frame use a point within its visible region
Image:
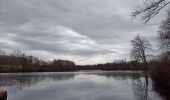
[122, 75]
[16, 82]
[140, 88]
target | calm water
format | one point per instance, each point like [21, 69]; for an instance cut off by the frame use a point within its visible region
[96, 85]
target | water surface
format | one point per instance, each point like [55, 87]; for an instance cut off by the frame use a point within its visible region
[93, 85]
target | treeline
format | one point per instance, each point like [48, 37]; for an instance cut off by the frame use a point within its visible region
[16, 61]
[20, 62]
[118, 65]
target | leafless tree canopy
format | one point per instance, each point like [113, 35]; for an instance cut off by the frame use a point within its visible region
[149, 9]
[139, 47]
[164, 33]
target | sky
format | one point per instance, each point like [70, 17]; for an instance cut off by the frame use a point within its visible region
[83, 31]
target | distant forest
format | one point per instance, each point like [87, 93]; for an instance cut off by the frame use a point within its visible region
[20, 62]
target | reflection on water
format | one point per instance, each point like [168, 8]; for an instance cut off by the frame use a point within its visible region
[164, 93]
[98, 85]
[140, 87]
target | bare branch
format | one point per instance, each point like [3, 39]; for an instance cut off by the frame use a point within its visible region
[150, 9]
[138, 51]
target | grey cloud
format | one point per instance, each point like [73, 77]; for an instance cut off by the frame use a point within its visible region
[60, 41]
[88, 29]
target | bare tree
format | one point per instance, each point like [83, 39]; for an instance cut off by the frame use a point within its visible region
[139, 47]
[164, 33]
[149, 9]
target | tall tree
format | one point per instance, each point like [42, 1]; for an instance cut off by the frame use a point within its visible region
[150, 8]
[138, 52]
[164, 33]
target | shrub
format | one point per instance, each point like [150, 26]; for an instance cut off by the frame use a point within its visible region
[161, 72]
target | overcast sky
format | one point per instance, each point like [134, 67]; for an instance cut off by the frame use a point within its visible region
[83, 31]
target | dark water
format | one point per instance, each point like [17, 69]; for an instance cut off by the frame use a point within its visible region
[96, 85]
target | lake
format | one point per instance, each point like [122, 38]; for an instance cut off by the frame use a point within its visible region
[84, 85]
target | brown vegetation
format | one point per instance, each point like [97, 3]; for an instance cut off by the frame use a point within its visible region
[3, 95]
[161, 72]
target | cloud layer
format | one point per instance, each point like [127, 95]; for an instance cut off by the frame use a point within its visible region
[84, 31]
